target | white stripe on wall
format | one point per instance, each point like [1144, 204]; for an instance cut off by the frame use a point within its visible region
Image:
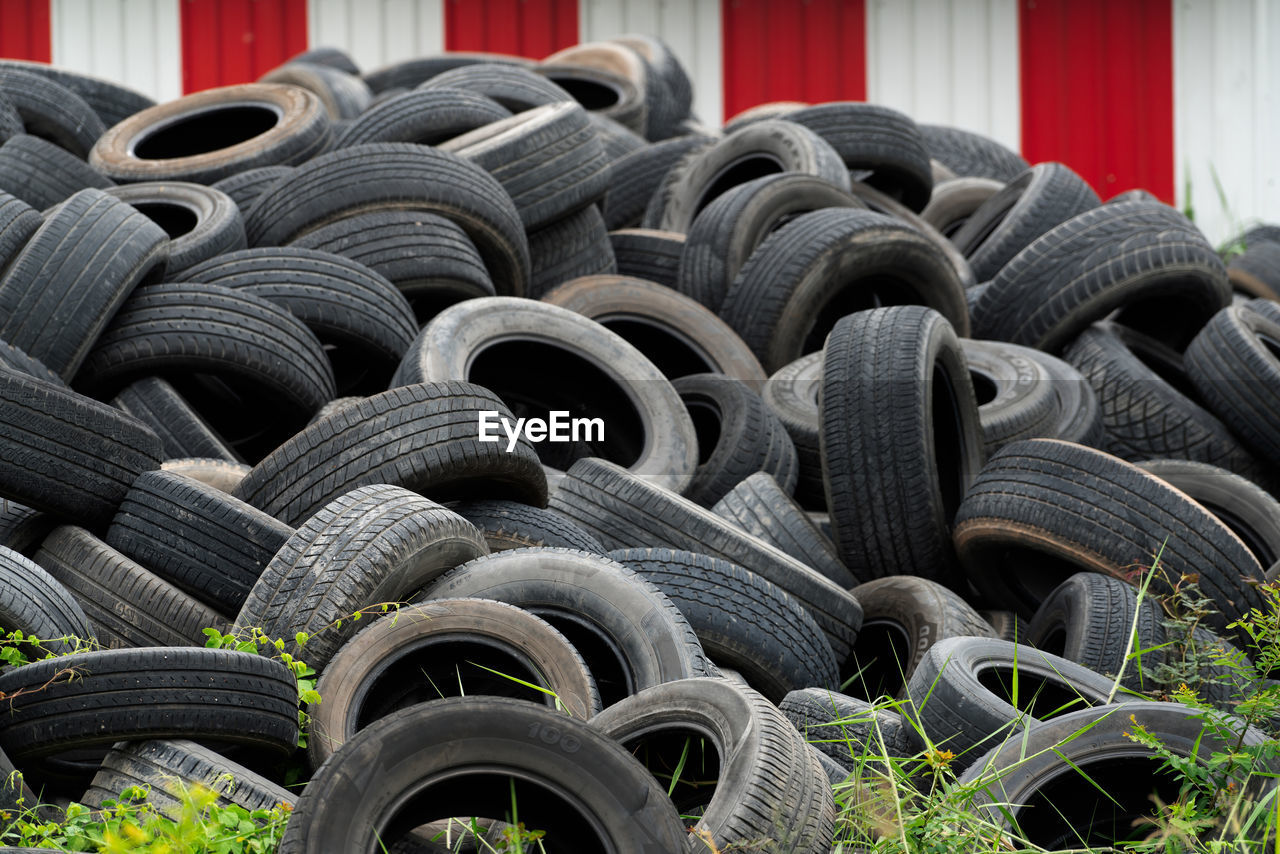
[691, 28]
[1226, 88]
[377, 32]
[136, 43]
[952, 62]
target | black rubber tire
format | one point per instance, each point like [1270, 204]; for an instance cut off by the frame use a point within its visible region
[201, 222]
[729, 229]
[1240, 504]
[10, 122]
[1143, 257]
[884, 141]
[680, 336]
[1079, 417]
[624, 511]
[570, 248]
[665, 66]
[826, 264]
[1234, 364]
[743, 622]
[582, 774]
[98, 698]
[60, 292]
[196, 537]
[769, 786]
[903, 616]
[900, 444]
[737, 436]
[437, 649]
[512, 86]
[21, 528]
[1149, 406]
[14, 359]
[168, 770]
[792, 393]
[427, 257]
[1008, 625]
[361, 320]
[617, 139]
[51, 110]
[954, 200]
[967, 153]
[880, 203]
[127, 605]
[183, 432]
[397, 176]
[512, 525]
[1089, 619]
[42, 174]
[847, 729]
[1256, 271]
[1043, 510]
[1039, 199]
[110, 101]
[759, 506]
[1100, 786]
[543, 359]
[630, 634]
[375, 544]
[1017, 398]
[646, 253]
[344, 94]
[962, 694]
[331, 57]
[762, 148]
[548, 159]
[68, 455]
[616, 96]
[245, 187]
[422, 437]
[166, 330]
[34, 602]
[409, 73]
[18, 221]
[262, 124]
[634, 177]
[426, 116]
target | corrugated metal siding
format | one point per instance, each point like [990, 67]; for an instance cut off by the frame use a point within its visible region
[1228, 122]
[378, 32]
[25, 30]
[237, 41]
[778, 50]
[532, 28]
[131, 42]
[952, 62]
[1097, 90]
[691, 28]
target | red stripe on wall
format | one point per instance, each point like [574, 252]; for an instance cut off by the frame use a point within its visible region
[24, 30]
[237, 41]
[532, 28]
[781, 50]
[1097, 90]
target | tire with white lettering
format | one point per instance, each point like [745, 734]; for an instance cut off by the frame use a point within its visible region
[590, 791]
[446, 648]
[408, 436]
[680, 336]
[624, 511]
[546, 359]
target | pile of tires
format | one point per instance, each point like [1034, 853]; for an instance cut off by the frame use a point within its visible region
[852, 408]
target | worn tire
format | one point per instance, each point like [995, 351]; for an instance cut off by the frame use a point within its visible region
[512, 525]
[42, 174]
[201, 222]
[426, 116]
[183, 432]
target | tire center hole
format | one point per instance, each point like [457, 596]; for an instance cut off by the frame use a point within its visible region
[176, 220]
[207, 130]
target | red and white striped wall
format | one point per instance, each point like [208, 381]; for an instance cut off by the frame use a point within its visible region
[1177, 96]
